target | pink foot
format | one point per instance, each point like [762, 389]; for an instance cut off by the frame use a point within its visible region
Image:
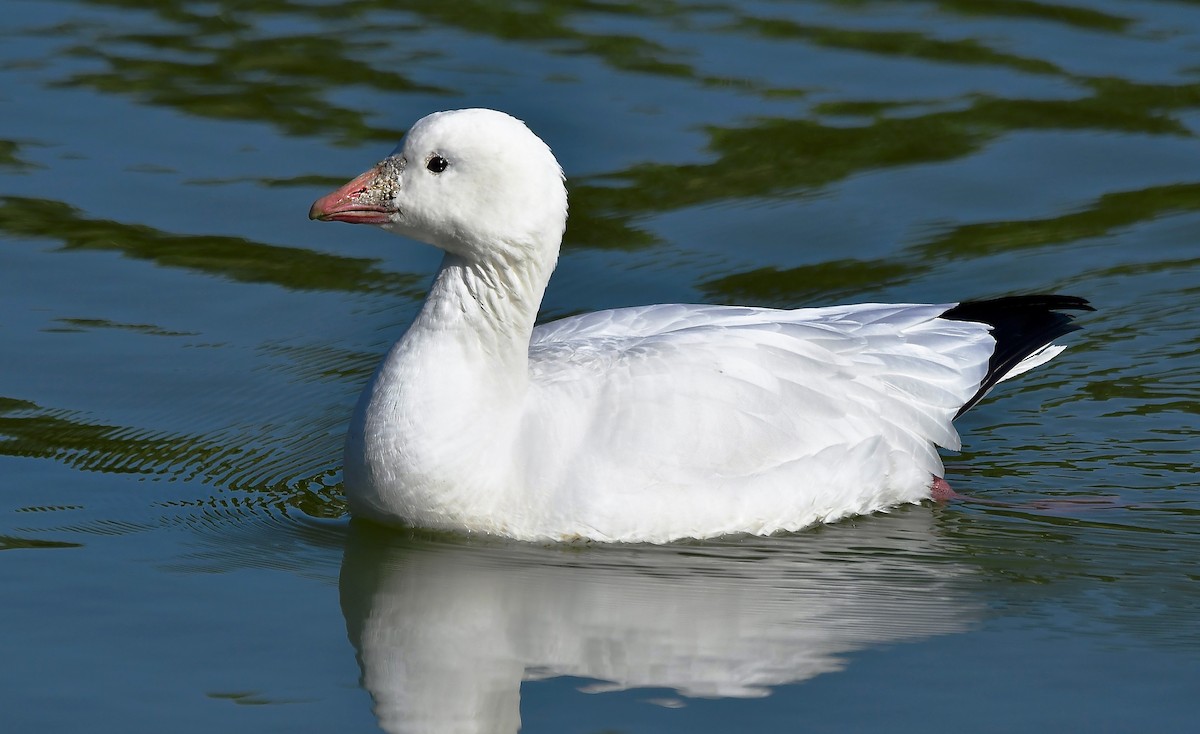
[942, 491]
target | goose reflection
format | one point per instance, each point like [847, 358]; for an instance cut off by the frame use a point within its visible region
[447, 629]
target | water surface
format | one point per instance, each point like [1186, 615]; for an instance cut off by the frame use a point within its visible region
[180, 349]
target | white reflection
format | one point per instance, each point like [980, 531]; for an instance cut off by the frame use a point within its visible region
[446, 630]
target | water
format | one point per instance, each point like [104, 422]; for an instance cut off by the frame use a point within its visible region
[180, 349]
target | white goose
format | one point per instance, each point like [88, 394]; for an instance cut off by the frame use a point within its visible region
[639, 424]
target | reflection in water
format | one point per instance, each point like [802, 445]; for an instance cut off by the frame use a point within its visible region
[1097, 218]
[295, 469]
[235, 258]
[237, 64]
[844, 279]
[768, 153]
[446, 631]
[1071, 15]
[779, 156]
[240, 64]
[9, 158]
[902, 44]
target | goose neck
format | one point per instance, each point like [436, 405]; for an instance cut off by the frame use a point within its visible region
[489, 304]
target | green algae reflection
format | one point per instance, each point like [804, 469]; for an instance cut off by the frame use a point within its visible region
[235, 258]
[843, 279]
[228, 461]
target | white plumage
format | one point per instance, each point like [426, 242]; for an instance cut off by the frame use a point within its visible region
[636, 424]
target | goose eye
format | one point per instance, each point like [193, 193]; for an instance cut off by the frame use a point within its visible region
[437, 164]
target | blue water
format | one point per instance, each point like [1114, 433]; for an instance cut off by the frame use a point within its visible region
[180, 349]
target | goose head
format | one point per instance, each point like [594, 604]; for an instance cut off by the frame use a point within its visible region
[475, 183]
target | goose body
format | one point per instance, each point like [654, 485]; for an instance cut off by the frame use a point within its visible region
[639, 424]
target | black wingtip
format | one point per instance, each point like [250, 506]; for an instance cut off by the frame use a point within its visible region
[1021, 325]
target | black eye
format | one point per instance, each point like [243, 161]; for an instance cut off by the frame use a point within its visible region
[437, 164]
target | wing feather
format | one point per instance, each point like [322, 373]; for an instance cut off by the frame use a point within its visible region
[739, 391]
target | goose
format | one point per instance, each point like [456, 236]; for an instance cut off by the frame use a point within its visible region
[645, 424]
